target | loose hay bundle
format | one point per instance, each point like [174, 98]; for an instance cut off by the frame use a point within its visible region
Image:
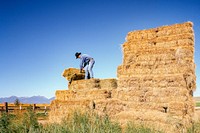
[73, 74]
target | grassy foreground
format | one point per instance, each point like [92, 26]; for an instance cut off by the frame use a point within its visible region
[197, 104]
[77, 123]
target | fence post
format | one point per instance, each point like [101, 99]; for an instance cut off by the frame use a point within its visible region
[6, 106]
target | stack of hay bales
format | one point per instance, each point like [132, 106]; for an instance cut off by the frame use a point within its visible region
[155, 82]
[91, 94]
[157, 76]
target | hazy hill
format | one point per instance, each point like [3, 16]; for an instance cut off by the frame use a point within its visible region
[31, 100]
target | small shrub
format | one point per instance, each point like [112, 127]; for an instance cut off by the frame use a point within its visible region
[4, 123]
[30, 120]
[17, 102]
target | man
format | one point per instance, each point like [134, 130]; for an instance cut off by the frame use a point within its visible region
[86, 62]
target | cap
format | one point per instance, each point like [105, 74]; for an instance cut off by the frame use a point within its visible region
[77, 54]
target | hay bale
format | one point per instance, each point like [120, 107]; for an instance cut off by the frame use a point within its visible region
[84, 84]
[108, 83]
[62, 109]
[64, 95]
[72, 74]
[190, 80]
[110, 107]
[93, 84]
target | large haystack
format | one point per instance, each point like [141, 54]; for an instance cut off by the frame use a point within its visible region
[158, 78]
[155, 82]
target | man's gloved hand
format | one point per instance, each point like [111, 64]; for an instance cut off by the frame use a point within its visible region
[81, 70]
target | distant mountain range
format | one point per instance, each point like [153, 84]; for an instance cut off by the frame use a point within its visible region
[31, 100]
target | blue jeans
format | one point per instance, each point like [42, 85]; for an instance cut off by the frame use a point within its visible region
[88, 69]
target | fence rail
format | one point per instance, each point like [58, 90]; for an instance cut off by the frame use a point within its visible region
[10, 107]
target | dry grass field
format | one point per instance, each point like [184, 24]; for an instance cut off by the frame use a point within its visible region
[37, 121]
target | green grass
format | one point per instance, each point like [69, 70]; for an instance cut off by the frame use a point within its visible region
[77, 123]
[197, 104]
[132, 128]
[195, 128]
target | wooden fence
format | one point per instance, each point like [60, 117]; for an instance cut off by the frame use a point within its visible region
[10, 107]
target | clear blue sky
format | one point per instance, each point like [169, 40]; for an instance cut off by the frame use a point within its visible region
[38, 38]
